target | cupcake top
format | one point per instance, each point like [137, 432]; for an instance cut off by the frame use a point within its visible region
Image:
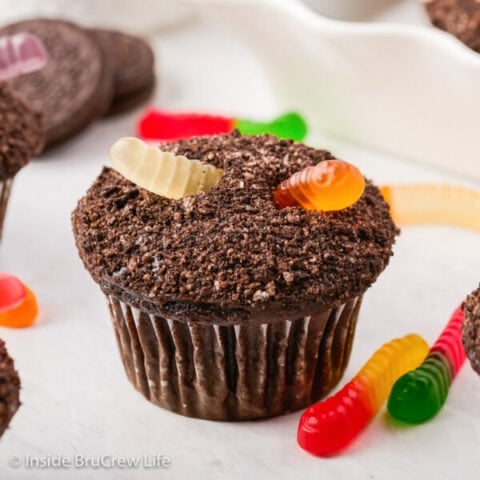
[21, 133]
[471, 328]
[9, 388]
[231, 254]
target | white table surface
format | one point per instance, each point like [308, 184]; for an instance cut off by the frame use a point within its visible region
[75, 396]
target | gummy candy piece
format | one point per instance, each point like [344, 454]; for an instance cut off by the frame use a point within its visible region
[330, 185]
[327, 427]
[420, 394]
[18, 305]
[433, 204]
[12, 292]
[291, 125]
[19, 54]
[160, 125]
[164, 173]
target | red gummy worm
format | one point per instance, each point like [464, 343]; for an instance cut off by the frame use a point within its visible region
[166, 126]
[327, 427]
[449, 343]
[339, 419]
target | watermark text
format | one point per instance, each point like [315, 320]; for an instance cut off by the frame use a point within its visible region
[80, 461]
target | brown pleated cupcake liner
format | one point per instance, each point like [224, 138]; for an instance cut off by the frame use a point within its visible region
[5, 189]
[239, 372]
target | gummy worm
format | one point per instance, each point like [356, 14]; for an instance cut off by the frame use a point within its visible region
[162, 125]
[163, 173]
[21, 53]
[329, 185]
[433, 204]
[419, 395]
[18, 305]
[327, 427]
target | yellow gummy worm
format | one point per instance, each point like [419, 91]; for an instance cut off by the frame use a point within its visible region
[433, 204]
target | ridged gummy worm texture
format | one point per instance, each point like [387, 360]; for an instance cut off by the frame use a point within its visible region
[433, 204]
[420, 394]
[164, 173]
[328, 427]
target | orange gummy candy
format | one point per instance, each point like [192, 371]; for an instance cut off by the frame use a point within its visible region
[330, 185]
[22, 314]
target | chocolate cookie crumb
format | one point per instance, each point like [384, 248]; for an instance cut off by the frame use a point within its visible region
[471, 329]
[461, 18]
[9, 388]
[231, 253]
[21, 133]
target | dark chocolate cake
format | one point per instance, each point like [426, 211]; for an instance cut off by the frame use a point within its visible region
[471, 329]
[251, 307]
[9, 388]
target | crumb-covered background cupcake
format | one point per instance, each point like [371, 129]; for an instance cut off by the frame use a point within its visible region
[471, 329]
[21, 138]
[9, 388]
[225, 306]
[458, 17]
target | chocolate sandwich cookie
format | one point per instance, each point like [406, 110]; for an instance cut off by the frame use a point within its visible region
[21, 138]
[75, 86]
[9, 388]
[458, 17]
[133, 67]
[471, 329]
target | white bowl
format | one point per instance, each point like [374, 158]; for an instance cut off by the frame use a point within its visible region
[408, 89]
[349, 9]
[134, 16]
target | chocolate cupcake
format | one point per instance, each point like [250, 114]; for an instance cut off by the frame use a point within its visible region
[9, 388]
[21, 138]
[471, 329]
[461, 18]
[224, 306]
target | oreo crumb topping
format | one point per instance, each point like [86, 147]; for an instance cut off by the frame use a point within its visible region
[231, 255]
[461, 18]
[9, 388]
[471, 329]
[21, 133]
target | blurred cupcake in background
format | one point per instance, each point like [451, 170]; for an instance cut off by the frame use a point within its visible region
[9, 388]
[21, 138]
[21, 129]
[471, 329]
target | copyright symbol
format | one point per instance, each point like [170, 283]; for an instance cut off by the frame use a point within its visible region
[15, 461]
